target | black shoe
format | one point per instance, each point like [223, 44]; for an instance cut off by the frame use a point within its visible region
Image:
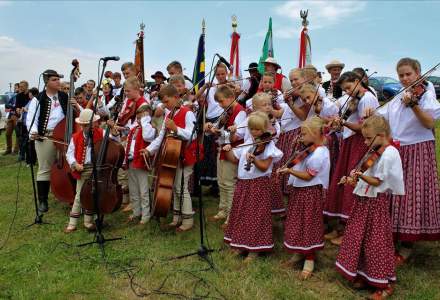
[43, 194]
[43, 207]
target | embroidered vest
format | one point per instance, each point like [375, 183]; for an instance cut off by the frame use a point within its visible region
[80, 147]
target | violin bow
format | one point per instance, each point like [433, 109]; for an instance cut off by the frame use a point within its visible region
[255, 143]
[351, 94]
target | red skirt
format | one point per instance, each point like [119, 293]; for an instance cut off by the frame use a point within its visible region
[304, 228]
[278, 183]
[340, 198]
[333, 147]
[416, 215]
[250, 220]
[367, 249]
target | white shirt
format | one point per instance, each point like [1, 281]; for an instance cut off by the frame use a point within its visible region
[285, 84]
[279, 100]
[244, 133]
[55, 116]
[188, 84]
[388, 169]
[316, 164]
[321, 92]
[289, 121]
[329, 109]
[70, 154]
[183, 133]
[224, 137]
[367, 101]
[430, 87]
[405, 127]
[116, 91]
[148, 134]
[214, 109]
[270, 151]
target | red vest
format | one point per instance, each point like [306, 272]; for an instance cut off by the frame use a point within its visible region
[278, 82]
[236, 110]
[138, 161]
[189, 154]
[80, 147]
[129, 110]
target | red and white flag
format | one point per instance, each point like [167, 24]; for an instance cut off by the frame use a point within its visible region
[234, 58]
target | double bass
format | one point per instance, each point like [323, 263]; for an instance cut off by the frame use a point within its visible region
[109, 158]
[62, 184]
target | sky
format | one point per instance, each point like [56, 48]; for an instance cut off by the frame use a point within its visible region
[39, 35]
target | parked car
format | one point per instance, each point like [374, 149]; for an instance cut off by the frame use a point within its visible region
[436, 82]
[386, 87]
[3, 100]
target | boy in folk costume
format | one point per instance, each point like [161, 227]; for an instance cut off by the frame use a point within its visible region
[226, 170]
[412, 115]
[182, 124]
[78, 156]
[366, 255]
[249, 229]
[138, 138]
[309, 177]
[340, 198]
[267, 86]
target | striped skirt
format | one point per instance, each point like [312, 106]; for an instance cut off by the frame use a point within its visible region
[416, 215]
[250, 221]
[367, 249]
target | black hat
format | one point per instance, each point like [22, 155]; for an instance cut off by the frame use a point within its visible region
[50, 73]
[252, 66]
[158, 74]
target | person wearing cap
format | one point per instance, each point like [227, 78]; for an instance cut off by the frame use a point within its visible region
[281, 82]
[78, 156]
[44, 114]
[331, 87]
[250, 86]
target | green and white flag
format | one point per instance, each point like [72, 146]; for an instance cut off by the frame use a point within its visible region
[267, 48]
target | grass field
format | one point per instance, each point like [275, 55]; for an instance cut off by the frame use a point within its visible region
[41, 262]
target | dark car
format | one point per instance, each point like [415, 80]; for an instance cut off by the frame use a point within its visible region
[436, 82]
[386, 87]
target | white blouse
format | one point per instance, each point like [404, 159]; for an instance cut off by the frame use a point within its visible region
[279, 99]
[329, 109]
[367, 101]
[214, 109]
[388, 169]
[244, 133]
[405, 127]
[316, 164]
[270, 151]
[289, 121]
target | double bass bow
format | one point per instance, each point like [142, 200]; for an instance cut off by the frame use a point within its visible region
[62, 184]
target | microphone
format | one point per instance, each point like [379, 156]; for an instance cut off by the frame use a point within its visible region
[116, 58]
[223, 60]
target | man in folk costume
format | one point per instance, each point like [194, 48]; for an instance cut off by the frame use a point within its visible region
[331, 87]
[43, 116]
[281, 82]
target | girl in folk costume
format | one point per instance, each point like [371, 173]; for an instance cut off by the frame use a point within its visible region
[309, 176]
[310, 74]
[226, 170]
[213, 111]
[182, 124]
[366, 255]
[139, 138]
[412, 115]
[340, 197]
[78, 157]
[250, 223]
[267, 86]
[281, 82]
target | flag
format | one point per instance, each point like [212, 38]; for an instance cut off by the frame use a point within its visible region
[234, 58]
[305, 49]
[139, 56]
[267, 48]
[199, 66]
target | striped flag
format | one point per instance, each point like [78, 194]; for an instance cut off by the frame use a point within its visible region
[267, 48]
[234, 58]
[199, 66]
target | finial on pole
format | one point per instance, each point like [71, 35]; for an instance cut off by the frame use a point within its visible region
[234, 23]
[203, 26]
[303, 14]
[142, 26]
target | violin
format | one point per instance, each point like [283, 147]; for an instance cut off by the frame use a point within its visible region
[301, 155]
[416, 92]
[258, 147]
[128, 113]
[274, 93]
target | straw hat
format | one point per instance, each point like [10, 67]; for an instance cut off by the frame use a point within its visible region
[334, 63]
[271, 60]
[85, 115]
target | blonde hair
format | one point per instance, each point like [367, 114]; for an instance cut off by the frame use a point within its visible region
[258, 120]
[168, 91]
[258, 98]
[307, 88]
[270, 74]
[309, 73]
[295, 71]
[378, 124]
[221, 65]
[411, 62]
[177, 78]
[132, 82]
[313, 124]
[224, 91]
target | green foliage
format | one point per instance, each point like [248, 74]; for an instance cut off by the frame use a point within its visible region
[41, 262]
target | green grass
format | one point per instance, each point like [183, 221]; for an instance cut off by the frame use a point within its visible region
[41, 262]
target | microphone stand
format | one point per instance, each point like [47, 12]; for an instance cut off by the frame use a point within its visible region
[99, 237]
[38, 216]
[203, 251]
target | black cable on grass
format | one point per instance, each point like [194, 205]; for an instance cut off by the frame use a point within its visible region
[8, 235]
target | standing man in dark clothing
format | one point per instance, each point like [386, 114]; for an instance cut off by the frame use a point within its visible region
[11, 121]
[21, 101]
[332, 89]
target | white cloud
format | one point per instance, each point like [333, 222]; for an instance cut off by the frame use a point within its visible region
[321, 14]
[21, 62]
